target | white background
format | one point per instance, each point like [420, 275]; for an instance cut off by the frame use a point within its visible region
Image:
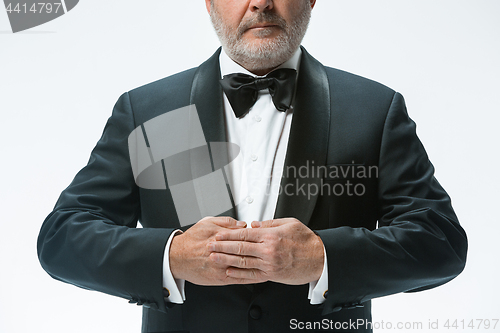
[59, 82]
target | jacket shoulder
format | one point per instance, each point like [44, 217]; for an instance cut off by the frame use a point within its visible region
[165, 84]
[352, 85]
[161, 96]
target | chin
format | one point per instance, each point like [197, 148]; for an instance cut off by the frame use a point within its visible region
[270, 32]
[257, 46]
[261, 53]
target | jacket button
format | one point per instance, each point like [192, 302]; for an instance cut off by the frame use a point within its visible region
[255, 312]
[337, 309]
[354, 306]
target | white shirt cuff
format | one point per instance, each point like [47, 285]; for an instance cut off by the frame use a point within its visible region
[174, 286]
[318, 288]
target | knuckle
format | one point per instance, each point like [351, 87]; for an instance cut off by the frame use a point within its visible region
[239, 251]
[242, 235]
[224, 220]
[215, 247]
[243, 262]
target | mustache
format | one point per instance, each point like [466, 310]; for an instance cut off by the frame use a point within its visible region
[264, 17]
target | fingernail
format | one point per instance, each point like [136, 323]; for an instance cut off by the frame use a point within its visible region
[219, 237]
[241, 223]
[256, 224]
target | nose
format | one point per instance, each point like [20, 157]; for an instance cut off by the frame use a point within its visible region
[261, 5]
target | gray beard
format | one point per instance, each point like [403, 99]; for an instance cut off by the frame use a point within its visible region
[265, 55]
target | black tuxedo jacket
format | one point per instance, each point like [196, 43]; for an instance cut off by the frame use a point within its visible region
[397, 232]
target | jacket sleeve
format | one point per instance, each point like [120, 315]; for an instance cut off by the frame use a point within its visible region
[418, 244]
[90, 239]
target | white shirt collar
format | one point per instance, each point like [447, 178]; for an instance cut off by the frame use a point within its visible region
[228, 66]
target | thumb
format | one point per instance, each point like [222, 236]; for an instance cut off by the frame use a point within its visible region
[269, 223]
[228, 222]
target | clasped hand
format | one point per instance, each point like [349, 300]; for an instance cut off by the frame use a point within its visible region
[222, 251]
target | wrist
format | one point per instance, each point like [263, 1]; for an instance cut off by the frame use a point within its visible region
[175, 256]
[319, 257]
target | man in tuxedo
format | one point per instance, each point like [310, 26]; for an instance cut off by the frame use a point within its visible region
[357, 214]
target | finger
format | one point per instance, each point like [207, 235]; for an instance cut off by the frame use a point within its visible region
[246, 274]
[270, 223]
[236, 261]
[230, 280]
[244, 235]
[227, 222]
[236, 247]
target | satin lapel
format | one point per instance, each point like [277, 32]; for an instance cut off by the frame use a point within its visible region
[206, 94]
[308, 142]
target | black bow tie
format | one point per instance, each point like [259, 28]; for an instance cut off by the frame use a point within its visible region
[242, 90]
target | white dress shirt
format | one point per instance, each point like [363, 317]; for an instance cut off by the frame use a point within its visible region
[255, 176]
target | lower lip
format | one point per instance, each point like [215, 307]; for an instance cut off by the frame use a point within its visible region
[262, 28]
